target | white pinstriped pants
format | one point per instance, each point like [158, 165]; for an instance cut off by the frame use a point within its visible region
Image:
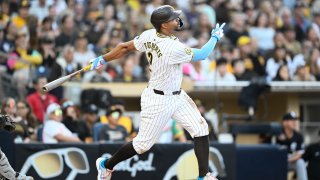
[157, 109]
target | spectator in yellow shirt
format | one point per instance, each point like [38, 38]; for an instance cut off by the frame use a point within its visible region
[21, 19]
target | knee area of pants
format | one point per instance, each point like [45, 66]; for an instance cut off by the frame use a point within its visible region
[141, 147]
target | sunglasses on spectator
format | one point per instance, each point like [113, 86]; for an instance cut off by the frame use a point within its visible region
[57, 112]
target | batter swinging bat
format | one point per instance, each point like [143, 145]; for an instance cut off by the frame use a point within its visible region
[53, 84]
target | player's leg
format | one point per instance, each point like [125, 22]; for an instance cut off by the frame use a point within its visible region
[190, 118]
[154, 115]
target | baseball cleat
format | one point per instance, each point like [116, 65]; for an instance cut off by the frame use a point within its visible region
[103, 173]
[210, 176]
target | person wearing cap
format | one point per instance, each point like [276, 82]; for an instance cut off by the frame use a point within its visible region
[293, 142]
[23, 13]
[90, 116]
[72, 121]
[253, 61]
[113, 131]
[54, 130]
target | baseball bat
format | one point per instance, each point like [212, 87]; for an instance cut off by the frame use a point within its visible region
[53, 84]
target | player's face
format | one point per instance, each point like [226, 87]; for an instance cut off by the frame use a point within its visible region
[173, 25]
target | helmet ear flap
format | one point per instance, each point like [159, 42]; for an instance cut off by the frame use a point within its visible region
[180, 23]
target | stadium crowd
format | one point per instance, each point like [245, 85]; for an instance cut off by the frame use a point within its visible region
[42, 40]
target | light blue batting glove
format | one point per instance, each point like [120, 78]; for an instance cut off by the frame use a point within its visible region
[217, 32]
[97, 62]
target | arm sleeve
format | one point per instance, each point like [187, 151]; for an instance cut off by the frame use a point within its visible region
[139, 41]
[180, 54]
[204, 52]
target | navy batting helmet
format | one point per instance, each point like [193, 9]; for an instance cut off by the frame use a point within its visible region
[164, 14]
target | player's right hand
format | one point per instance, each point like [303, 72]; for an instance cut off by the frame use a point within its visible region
[217, 32]
[97, 62]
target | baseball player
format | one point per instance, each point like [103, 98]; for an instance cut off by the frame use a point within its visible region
[6, 171]
[163, 99]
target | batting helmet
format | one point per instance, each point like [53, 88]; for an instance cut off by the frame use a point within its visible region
[164, 14]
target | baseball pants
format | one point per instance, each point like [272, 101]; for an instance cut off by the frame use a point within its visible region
[157, 109]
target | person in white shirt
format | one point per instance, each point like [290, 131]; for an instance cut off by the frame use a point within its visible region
[54, 130]
[221, 73]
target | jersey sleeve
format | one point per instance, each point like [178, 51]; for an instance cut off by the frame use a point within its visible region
[139, 41]
[181, 54]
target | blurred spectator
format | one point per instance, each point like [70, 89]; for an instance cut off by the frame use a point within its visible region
[316, 22]
[79, 11]
[90, 116]
[82, 54]
[311, 35]
[253, 61]
[152, 6]
[203, 7]
[171, 132]
[40, 100]
[53, 130]
[4, 14]
[125, 121]
[262, 32]
[240, 72]
[98, 35]
[293, 141]
[282, 74]
[28, 120]
[300, 22]
[40, 9]
[312, 157]
[68, 34]
[8, 107]
[23, 12]
[303, 74]
[72, 121]
[221, 73]
[32, 25]
[113, 131]
[29, 58]
[8, 43]
[97, 76]
[65, 64]
[292, 45]
[286, 17]
[46, 28]
[93, 10]
[314, 62]
[279, 58]
[237, 28]
[128, 70]
[203, 25]
[48, 54]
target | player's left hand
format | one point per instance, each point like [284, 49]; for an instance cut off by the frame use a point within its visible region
[217, 32]
[97, 62]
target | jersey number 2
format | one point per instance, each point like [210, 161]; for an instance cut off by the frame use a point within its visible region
[150, 58]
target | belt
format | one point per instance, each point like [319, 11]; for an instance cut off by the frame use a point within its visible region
[162, 93]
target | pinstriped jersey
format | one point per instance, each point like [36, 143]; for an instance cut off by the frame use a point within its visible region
[165, 55]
